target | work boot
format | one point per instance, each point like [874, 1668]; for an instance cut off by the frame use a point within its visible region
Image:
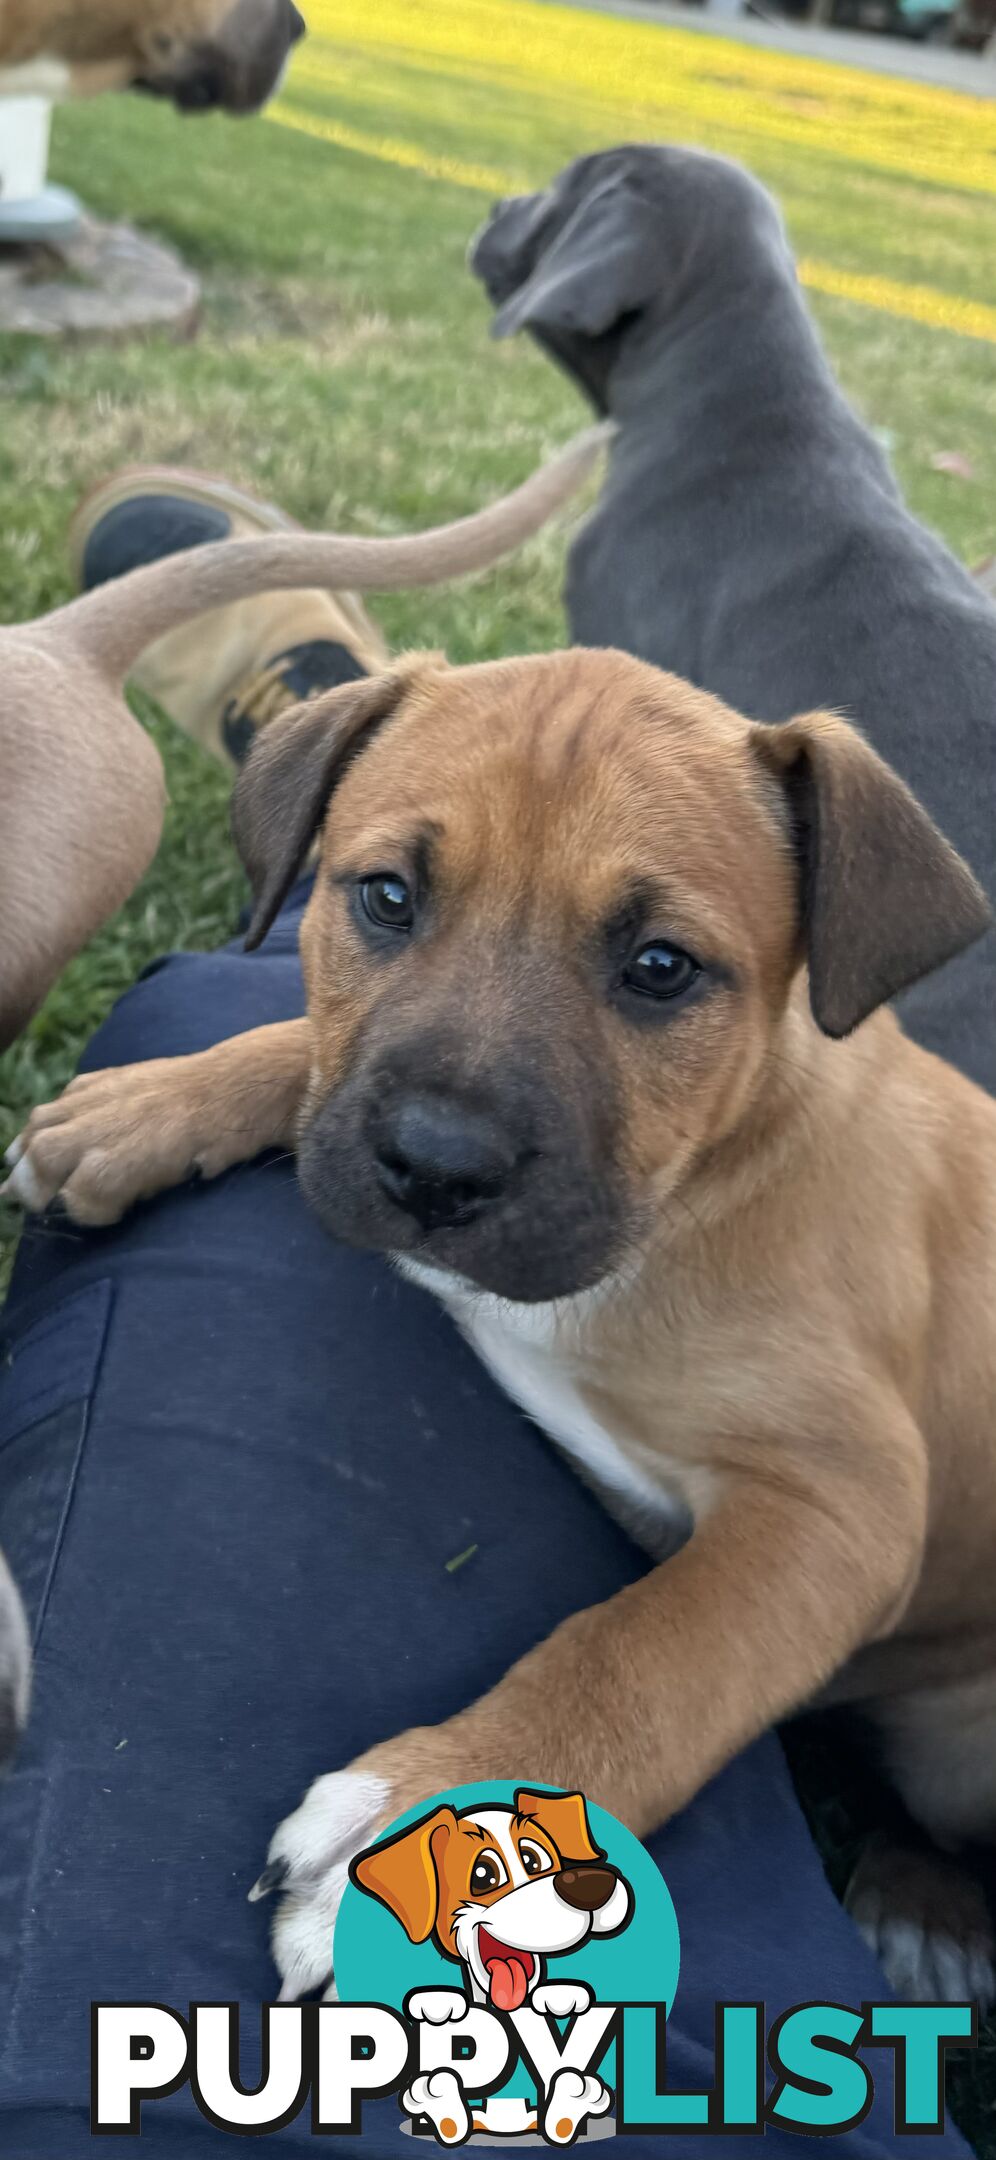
[223, 675]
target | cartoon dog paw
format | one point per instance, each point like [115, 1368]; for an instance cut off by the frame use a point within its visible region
[437, 2006]
[438, 2095]
[308, 1863]
[561, 1998]
[572, 2100]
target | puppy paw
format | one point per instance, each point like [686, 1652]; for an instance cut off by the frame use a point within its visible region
[437, 2006]
[571, 2102]
[112, 1139]
[927, 1920]
[561, 1998]
[438, 2095]
[308, 1864]
[309, 1856]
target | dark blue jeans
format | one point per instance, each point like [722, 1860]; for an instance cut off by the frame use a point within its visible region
[234, 1462]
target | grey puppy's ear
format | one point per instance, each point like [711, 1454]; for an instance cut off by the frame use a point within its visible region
[884, 897]
[282, 794]
[600, 267]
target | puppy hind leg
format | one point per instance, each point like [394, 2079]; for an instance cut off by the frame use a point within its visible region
[938, 1748]
[925, 1899]
[928, 1919]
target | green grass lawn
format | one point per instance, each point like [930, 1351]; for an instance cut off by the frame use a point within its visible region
[343, 364]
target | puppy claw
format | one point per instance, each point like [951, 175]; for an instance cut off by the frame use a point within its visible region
[274, 1873]
[308, 1866]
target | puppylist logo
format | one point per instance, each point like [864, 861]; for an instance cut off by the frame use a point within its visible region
[506, 1962]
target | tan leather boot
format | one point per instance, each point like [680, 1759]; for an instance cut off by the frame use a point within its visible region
[228, 672]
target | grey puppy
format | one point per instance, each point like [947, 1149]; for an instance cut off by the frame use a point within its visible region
[750, 534]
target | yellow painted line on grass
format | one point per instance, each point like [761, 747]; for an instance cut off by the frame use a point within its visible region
[388, 150]
[889, 296]
[912, 303]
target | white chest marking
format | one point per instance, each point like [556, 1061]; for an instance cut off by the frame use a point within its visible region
[45, 77]
[527, 1349]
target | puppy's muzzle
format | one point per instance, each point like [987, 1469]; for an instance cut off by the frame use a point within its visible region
[440, 1160]
[502, 252]
[586, 1888]
[239, 68]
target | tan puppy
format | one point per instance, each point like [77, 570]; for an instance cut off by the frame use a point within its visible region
[81, 806]
[594, 969]
[199, 53]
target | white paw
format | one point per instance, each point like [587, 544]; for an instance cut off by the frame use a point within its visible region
[437, 2006]
[83, 1150]
[439, 2095]
[928, 1965]
[561, 1998]
[308, 1863]
[571, 2101]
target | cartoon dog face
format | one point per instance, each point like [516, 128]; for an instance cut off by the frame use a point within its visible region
[499, 1889]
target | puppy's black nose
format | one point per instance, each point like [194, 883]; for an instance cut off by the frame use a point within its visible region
[200, 91]
[586, 1888]
[296, 23]
[439, 1160]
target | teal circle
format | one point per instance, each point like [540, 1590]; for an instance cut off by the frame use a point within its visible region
[375, 1962]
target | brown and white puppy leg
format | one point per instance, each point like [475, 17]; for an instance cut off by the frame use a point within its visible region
[119, 1136]
[639, 1701]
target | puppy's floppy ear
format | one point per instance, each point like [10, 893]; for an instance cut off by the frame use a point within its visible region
[601, 266]
[282, 794]
[402, 1872]
[884, 897]
[564, 1817]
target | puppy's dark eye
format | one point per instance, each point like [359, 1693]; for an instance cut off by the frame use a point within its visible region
[661, 971]
[387, 902]
[534, 1860]
[486, 1874]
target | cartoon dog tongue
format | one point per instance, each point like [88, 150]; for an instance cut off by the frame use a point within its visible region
[509, 1972]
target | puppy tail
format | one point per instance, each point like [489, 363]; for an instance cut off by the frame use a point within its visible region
[113, 626]
[15, 1665]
